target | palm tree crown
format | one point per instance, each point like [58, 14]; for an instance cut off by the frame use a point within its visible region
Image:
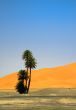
[31, 63]
[22, 74]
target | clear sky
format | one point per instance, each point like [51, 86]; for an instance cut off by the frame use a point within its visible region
[46, 27]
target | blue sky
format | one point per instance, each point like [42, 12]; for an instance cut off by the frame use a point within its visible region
[46, 27]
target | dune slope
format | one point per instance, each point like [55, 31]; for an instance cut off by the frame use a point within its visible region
[58, 77]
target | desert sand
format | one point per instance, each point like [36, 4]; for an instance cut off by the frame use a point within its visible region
[58, 77]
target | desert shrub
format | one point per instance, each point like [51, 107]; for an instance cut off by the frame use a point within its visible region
[20, 87]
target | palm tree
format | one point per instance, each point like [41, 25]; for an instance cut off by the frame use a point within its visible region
[26, 56]
[30, 63]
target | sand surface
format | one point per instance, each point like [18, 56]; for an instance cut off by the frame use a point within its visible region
[58, 77]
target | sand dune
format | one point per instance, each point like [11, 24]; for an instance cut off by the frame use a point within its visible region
[58, 77]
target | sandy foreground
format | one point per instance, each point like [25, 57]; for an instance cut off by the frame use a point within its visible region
[45, 99]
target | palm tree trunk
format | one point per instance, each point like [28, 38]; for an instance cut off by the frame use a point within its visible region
[27, 77]
[26, 81]
[27, 69]
[28, 85]
[29, 80]
[30, 73]
[23, 81]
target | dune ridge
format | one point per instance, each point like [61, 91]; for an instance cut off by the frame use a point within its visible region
[58, 77]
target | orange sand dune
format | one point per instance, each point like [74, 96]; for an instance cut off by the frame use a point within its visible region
[59, 77]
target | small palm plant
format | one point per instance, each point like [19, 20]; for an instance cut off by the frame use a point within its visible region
[21, 87]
